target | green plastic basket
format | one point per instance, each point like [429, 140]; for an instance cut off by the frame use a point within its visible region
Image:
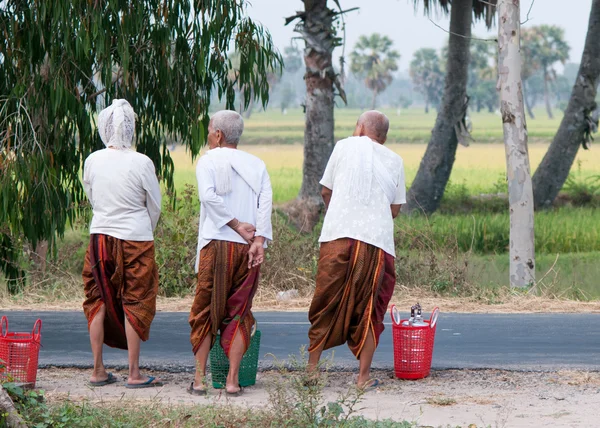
[219, 363]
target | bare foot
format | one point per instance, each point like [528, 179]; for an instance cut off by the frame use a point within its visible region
[99, 375]
[150, 380]
[232, 388]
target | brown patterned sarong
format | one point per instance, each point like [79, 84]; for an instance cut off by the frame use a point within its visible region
[355, 282]
[123, 276]
[224, 295]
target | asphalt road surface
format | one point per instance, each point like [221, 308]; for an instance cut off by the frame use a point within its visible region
[514, 342]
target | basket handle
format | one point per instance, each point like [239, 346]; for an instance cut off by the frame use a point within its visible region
[434, 317]
[393, 312]
[4, 328]
[37, 327]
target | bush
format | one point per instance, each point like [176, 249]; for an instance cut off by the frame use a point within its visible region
[176, 239]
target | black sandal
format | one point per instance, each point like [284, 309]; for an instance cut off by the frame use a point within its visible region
[194, 391]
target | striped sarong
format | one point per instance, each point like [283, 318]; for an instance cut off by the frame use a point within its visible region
[123, 276]
[224, 293]
[355, 282]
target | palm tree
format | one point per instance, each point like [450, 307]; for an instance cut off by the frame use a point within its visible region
[374, 59]
[427, 74]
[577, 124]
[427, 189]
[542, 47]
[316, 25]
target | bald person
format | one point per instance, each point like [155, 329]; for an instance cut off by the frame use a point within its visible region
[363, 190]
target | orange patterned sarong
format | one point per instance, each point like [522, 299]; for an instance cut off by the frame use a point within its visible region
[224, 295]
[123, 276]
[355, 282]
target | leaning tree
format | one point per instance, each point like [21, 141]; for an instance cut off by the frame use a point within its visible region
[62, 61]
[577, 124]
[426, 191]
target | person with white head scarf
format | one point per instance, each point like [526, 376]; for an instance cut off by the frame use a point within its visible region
[235, 225]
[363, 190]
[120, 273]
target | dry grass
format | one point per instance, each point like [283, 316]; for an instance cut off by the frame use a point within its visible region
[441, 401]
[578, 378]
[265, 300]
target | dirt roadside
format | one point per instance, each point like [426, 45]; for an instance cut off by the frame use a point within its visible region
[463, 398]
[517, 303]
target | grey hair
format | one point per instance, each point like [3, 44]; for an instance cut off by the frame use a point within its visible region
[375, 123]
[230, 123]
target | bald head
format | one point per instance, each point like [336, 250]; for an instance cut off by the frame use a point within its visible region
[374, 125]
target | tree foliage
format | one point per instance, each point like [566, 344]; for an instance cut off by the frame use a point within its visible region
[542, 47]
[482, 76]
[427, 74]
[62, 61]
[292, 59]
[374, 60]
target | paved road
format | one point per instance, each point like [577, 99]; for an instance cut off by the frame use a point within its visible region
[518, 342]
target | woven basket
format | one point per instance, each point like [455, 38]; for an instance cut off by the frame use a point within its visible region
[219, 363]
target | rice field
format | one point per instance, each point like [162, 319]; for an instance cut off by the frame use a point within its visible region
[480, 167]
[406, 126]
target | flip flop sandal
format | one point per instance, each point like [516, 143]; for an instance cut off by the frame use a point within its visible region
[148, 384]
[194, 391]
[110, 379]
[376, 384]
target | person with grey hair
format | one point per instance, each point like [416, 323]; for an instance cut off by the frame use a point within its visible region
[363, 190]
[235, 225]
[120, 273]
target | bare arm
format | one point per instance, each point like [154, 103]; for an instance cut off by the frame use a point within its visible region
[153, 195]
[326, 193]
[396, 210]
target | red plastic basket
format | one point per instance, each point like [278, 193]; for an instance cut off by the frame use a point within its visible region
[19, 354]
[413, 347]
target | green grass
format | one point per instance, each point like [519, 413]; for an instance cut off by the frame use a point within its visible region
[565, 230]
[567, 275]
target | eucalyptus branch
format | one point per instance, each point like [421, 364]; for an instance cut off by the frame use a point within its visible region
[462, 35]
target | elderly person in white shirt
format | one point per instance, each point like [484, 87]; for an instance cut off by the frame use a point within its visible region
[363, 190]
[120, 274]
[235, 225]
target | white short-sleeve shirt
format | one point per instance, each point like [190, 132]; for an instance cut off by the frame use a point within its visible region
[349, 218]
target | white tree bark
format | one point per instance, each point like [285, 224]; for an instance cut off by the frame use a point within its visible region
[520, 191]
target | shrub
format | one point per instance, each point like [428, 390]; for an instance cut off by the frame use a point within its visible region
[176, 239]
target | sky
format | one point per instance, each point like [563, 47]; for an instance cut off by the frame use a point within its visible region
[411, 31]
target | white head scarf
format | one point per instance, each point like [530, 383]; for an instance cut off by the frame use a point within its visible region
[116, 124]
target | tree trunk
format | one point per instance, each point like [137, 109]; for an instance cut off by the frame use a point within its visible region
[428, 187]
[575, 127]
[374, 101]
[318, 132]
[520, 192]
[547, 94]
[426, 106]
[527, 101]
[7, 409]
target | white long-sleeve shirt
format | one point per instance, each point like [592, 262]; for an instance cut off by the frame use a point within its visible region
[124, 192]
[242, 202]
